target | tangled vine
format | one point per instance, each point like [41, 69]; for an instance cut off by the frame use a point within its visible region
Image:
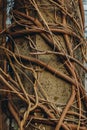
[27, 103]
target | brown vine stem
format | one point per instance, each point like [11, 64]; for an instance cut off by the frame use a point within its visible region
[52, 116]
[18, 78]
[78, 88]
[66, 108]
[74, 127]
[43, 35]
[68, 45]
[40, 30]
[11, 88]
[25, 93]
[42, 64]
[38, 62]
[69, 48]
[48, 113]
[82, 11]
[66, 38]
[76, 114]
[77, 92]
[66, 56]
[72, 80]
[47, 67]
[65, 12]
[53, 28]
[10, 79]
[79, 97]
[79, 105]
[83, 94]
[71, 53]
[36, 22]
[14, 113]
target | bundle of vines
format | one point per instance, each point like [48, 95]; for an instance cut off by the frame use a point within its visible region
[42, 55]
